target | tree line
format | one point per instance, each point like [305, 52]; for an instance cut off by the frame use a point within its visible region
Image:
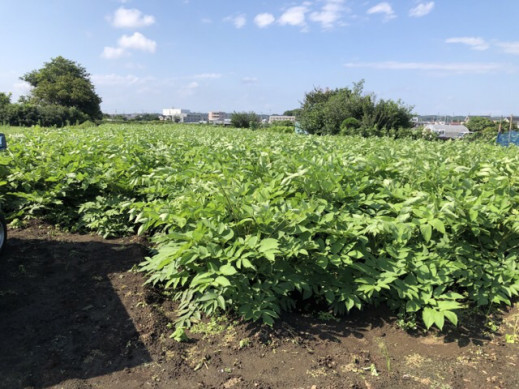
[63, 94]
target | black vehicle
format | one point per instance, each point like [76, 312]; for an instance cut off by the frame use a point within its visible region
[3, 224]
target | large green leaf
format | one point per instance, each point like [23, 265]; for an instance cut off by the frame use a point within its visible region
[228, 270]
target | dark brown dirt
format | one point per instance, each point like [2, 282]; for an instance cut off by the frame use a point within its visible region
[73, 314]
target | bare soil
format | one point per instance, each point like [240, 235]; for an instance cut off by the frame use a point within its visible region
[74, 313]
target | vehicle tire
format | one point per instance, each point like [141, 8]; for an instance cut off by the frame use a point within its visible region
[3, 232]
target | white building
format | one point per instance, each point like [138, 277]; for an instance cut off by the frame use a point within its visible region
[217, 117]
[183, 115]
[281, 118]
[448, 131]
[172, 112]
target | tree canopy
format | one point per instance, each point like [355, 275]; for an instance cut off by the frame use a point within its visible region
[292, 112]
[5, 99]
[351, 111]
[65, 83]
[480, 123]
[245, 120]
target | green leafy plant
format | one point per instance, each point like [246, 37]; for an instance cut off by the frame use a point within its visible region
[257, 222]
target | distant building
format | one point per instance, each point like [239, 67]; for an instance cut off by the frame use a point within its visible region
[183, 115]
[281, 118]
[217, 117]
[264, 118]
[174, 112]
[195, 117]
[448, 131]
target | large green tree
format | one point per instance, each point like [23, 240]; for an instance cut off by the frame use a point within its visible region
[62, 82]
[345, 110]
[481, 123]
[245, 120]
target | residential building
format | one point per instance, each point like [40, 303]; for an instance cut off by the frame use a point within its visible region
[217, 117]
[183, 115]
[175, 112]
[448, 131]
[281, 118]
[195, 117]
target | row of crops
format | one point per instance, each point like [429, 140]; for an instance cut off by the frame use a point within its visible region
[256, 222]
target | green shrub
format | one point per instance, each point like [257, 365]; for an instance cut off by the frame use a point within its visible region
[255, 222]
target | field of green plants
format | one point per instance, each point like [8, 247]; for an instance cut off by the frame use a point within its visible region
[257, 222]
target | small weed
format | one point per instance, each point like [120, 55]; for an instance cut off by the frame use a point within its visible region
[373, 370]
[492, 325]
[385, 352]
[244, 343]
[326, 316]
[213, 327]
[406, 321]
[179, 334]
[17, 223]
[514, 336]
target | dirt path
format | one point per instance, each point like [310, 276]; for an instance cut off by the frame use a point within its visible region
[73, 314]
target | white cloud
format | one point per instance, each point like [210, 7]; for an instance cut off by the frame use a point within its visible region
[421, 9]
[126, 43]
[330, 13]
[239, 21]
[474, 42]
[450, 67]
[131, 18]
[510, 47]
[189, 89]
[382, 8]
[113, 52]
[294, 16]
[264, 20]
[208, 76]
[137, 41]
[21, 88]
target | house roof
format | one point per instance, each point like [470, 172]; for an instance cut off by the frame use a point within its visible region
[448, 130]
[447, 127]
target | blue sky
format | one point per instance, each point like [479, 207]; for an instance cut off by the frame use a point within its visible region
[442, 57]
